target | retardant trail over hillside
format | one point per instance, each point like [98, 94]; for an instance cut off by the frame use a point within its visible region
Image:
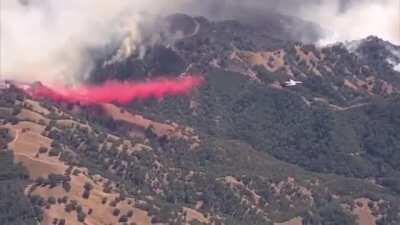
[117, 91]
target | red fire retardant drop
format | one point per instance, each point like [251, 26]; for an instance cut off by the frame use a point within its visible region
[116, 91]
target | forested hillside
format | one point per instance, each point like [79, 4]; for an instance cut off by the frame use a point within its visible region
[241, 149]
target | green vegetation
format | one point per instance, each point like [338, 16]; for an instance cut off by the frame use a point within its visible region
[15, 207]
[280, 123]
[266, 154]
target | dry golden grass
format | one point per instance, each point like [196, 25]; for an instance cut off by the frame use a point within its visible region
[37, 107]
[101, 213]
[25, 145]
[192, 214]
[71, 123]
[294, 221]
[138, 120]
[28, 126]
[32, 116]
[172, 130]
[363, 212]
[272, 61]
[309, 58]
[39, 167]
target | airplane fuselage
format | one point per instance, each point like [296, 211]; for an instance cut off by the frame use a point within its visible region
[292, 83]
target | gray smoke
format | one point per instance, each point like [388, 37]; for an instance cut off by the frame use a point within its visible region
[352, 20]
[340, 20]
[50, 40]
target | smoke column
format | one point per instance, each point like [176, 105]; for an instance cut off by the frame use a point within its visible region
[115, 91]
[347, 20]
[52, 40]
[341, 20]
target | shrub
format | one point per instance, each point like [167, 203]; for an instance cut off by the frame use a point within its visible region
[116, 212]
[81, 216]
[43, 150]
[123, 219]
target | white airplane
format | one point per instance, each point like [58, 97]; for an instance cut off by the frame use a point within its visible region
[292, 83]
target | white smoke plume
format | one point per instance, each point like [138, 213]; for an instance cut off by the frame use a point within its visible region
[355, 19]
[49, 40]
[342, 20]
